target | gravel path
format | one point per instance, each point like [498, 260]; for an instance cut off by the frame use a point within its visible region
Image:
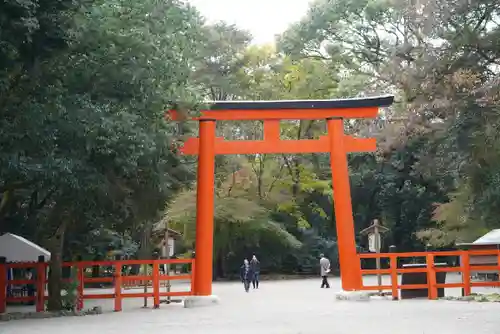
[286, 307]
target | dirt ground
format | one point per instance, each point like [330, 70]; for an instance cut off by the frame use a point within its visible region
[281, 307]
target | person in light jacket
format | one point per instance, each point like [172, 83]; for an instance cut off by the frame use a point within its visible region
[324, 265]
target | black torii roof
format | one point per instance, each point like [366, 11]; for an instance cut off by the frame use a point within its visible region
[362, 102]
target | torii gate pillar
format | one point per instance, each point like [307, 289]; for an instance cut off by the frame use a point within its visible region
[204, 244]
[350, 266]
[337, 143]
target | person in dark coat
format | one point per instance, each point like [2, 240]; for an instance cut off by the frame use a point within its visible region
[255, 266]
[246, 274]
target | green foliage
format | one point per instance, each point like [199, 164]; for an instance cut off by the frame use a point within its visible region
[31, 32]
[70, 292]
[219, 69]
[100, 244]
[242, 219]
[110, 149]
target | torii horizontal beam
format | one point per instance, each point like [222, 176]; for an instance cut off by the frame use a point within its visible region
[272, 144]
[367, 107]
[321, 145]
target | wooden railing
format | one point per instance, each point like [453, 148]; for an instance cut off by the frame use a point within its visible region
[118, 281]
[465, 268]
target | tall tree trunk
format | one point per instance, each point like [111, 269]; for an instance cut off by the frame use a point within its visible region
[55, 246]
[145, 253]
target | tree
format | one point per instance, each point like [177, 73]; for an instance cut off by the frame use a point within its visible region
[85, 136]
[219, 69]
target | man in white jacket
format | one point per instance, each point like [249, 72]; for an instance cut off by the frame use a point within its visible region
[324, 265]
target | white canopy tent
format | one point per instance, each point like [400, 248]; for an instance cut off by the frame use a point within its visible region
[18, 249]
[490, 240]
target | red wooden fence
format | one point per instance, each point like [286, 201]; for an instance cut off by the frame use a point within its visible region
[118, 280]
[465, 269]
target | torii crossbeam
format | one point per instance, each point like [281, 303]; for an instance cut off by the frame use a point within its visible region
[337, 143]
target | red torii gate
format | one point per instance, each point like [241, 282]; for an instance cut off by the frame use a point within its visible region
[337, 143]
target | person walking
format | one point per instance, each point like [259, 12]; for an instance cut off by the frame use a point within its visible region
[324, 265]
[246, 274]
[255, 266]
